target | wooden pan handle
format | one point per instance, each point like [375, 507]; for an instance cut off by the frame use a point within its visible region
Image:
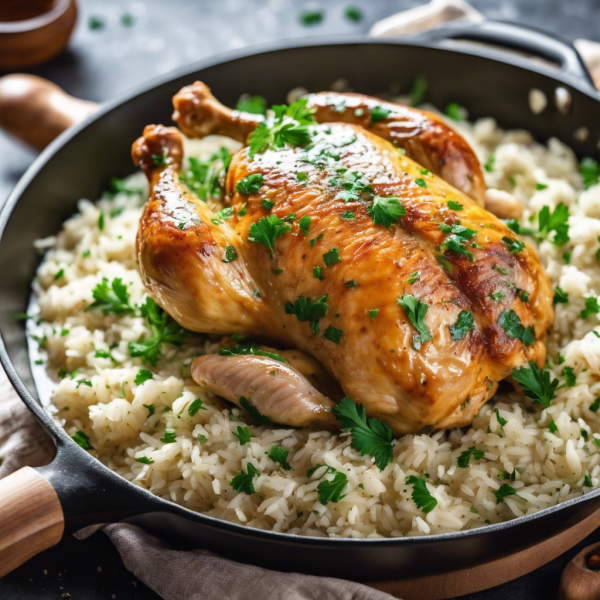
[35, 110]
[31, 518]
[581, 577]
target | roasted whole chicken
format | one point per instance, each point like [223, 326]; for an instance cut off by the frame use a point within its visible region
[357, 240]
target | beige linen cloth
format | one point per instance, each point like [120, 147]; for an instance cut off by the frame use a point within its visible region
[158, 565]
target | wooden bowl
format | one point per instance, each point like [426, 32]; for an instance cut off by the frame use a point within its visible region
[34, 31]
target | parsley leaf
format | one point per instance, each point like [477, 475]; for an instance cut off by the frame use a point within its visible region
[373, 313]
[242, 434]
[455, 205]
[333, 335]
[244, 481]
[595, 405]
[421, 495]
[536, 384]
[465, 457]
[151, 409]
[457, 236]
[318, 273]
[416, 311]
[267, 230]
[163, 330]
[290, 126]
[379, 113]
[230, 254]
[591, 307]
[590, 172]
[168, 437]
[417, 92]
[555, 221]
[514, 246]
[306, 310]
[143, 375]
[255, 105]
[386, 211]
[501, 422]
[245, 403]
[454, 111]
[144, 460]
[331, 490]
[560, 296]
[497, 296]
[331, 257]
[304, 224]
[489, 165]
[348, 215]
[504, 491]
[372, 437]
[113, 299]
[511, 323]
[413, 277]
[463, 325]
[570, 377]
[195, 406]
[250, 185]
[202, 177]
[82, 440]
[279, 454]
[514, 225]
[249, 348]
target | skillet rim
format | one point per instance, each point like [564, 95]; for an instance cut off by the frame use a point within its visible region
[65, 445]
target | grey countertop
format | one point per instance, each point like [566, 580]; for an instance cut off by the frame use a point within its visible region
[142, 39]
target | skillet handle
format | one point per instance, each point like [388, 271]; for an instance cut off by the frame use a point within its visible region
[515, 37]
[581, 578]
[31, 518]
[35, 110]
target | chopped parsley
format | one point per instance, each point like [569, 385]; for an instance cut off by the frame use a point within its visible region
[168, 437]
[420, 494]
[256, 105]
[540, 186]
[245, 403]
[355, 185]
[306, 310]
[267, 230]
[373, 313]
[111, 299]
[352, 13]
[202, 176]
[587, 481]
[456, 237]
[416, 311]
[144, 460]
[143, 375]
[595, 405]
[501, 270]
[504, 492]
[536, 383]
[386, 211]
[242, 434]
[81, 439]
[60, 273]
[497, 296]
[164, 329]
[230, 254]
[304, 224]
[379, 113]
[372, 437]
[421, 182]
[290, 126]
[552, 427]
[489, 164]
[244, 481]
[514, 225]
[331, 490]
[417, 92]
[279, 454]
[590, 172]
[511, 323]
[250, 185]
[315, 240]
[463, 325]
[331, 257]
[311, 17]
[268, 206]
[454, 111]
[195, 406]
[501, 422]
[318, 273]
[249, 348]
[151, 409]
[465, 457]
[591, 307]
[351, 284]
[555, 221]
[570, 377]
[348, 215]
[333, 335]
[524, 296]
[413, 277]
[455, 205]
[514, 246]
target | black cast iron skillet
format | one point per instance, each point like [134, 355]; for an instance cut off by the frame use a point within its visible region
[82, 160]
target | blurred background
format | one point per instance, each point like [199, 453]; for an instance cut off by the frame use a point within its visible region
[118, 45]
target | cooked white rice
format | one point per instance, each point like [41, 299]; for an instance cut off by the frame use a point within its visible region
[101, 399]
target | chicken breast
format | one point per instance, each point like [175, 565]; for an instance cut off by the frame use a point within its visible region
[412, 297]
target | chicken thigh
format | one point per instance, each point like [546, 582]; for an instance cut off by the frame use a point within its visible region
[411, 296]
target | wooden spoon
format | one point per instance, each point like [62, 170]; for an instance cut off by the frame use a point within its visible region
[35, 110]
[581, 578]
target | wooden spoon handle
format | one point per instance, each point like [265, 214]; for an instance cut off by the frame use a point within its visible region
[581, 577]
[31, 518]
[35, 110]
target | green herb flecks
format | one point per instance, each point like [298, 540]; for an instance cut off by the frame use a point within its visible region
[249, 348]
[536, 383]
[111, 298]
[267, 230]
[247, 405]
[244, 482]
[279, 454]
[511, 323]
[465, 457]
[420, 494]
[464, 324]
[416, 311]
[306, 310]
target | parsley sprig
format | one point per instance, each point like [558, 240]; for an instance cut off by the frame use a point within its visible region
[555, 221]
[289, 126]
[267, 230]
[203, 176]
[386, 210]
[111, 298]
[511, 323]
[416, 311]
[372, 437]
[330, 490]
[465, 457]
[306, 310]
[244, 482]
[536, 383]
[421, 495]
[590, 172]
[456, 237]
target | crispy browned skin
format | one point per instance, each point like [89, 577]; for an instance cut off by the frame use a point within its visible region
[424, 137]
[443, 384]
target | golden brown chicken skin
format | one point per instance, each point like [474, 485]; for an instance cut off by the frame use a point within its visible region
[424, 315]
[422, 135]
